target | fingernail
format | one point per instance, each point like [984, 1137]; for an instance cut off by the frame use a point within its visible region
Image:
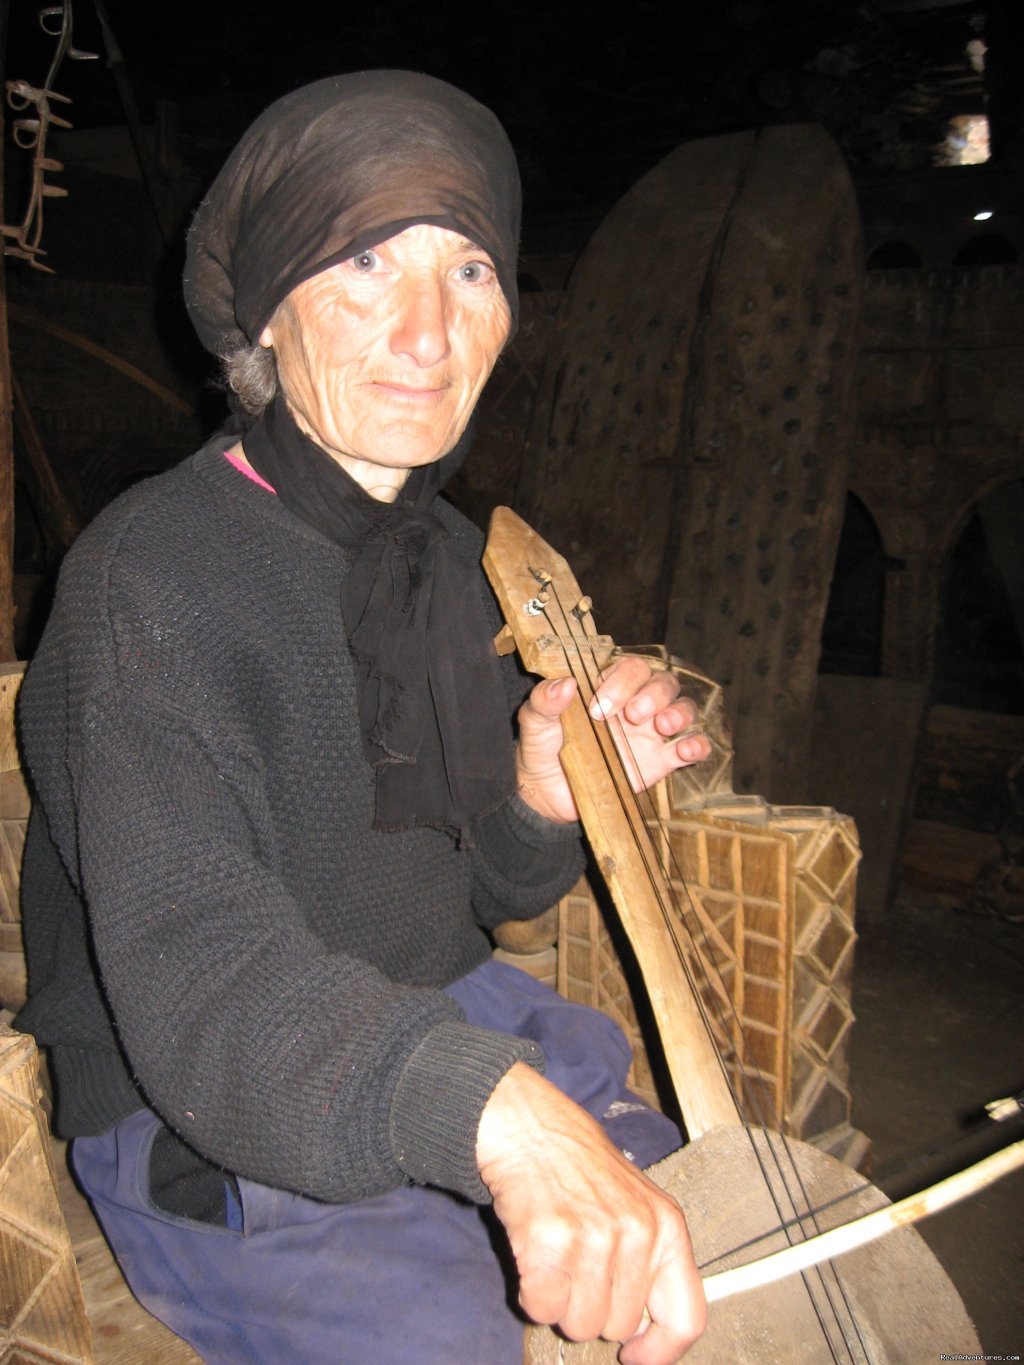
[601, 706]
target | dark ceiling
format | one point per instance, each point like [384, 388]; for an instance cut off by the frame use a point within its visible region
[591, 98]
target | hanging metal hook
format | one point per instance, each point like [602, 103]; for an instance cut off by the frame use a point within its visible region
[23, 239]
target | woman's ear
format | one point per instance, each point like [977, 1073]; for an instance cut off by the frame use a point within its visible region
[266, 337]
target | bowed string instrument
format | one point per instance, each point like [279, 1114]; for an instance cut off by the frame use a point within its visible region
[780, 1229]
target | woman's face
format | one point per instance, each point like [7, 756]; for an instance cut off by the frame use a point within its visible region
[382, 358]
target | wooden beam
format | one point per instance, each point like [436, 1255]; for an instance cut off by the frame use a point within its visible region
[6, 439]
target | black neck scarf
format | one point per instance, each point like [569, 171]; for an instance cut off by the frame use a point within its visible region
[432, 706]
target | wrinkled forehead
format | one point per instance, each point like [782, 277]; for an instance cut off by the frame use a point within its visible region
[382, 197]
[334, 169]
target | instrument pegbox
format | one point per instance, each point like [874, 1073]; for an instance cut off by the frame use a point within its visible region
[550, 621]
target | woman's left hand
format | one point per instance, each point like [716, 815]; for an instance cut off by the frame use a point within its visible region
[646, 713]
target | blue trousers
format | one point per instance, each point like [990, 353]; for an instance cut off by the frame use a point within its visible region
[415, 1275]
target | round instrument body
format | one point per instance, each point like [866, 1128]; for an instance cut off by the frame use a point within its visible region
[886, 1303]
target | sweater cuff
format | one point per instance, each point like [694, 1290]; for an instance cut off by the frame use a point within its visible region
[92, 1091]
[440, 1095]
[537, 829]
[505, 831]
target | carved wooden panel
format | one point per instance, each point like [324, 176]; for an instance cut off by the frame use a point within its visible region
[602, 471]
[42, 1311]
[766, 895]
[773, 416]
[689, 442]
[14, 807]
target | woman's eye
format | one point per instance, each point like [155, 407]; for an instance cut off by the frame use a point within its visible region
[366, 261]
[473, 272]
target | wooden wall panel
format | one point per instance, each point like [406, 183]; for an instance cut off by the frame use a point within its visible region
[689, 443]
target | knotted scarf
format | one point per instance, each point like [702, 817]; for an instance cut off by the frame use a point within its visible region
[432, 706]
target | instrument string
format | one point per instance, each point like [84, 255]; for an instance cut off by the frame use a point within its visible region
[587, 675]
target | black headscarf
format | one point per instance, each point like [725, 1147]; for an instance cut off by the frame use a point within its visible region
[325, 173]
[333, 169]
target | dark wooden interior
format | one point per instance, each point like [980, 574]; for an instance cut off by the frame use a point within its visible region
[766, 393]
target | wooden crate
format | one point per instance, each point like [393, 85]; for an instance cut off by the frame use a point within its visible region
[766, 895]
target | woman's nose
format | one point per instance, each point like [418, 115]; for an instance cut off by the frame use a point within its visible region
[421, 331]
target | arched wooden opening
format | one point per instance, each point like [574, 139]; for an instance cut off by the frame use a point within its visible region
[979, 657]
[988, 248]
[851, 636]
[967, 819]
[894, 255]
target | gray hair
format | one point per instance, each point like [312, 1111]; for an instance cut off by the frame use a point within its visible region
[250, 372]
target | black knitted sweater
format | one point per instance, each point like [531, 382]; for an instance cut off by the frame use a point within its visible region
[274, 965]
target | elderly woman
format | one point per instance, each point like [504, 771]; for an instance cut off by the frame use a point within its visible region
[279, 807]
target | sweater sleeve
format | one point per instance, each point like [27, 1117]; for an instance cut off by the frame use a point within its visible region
[274, 1056]
[277, 1060]
[523, 863]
